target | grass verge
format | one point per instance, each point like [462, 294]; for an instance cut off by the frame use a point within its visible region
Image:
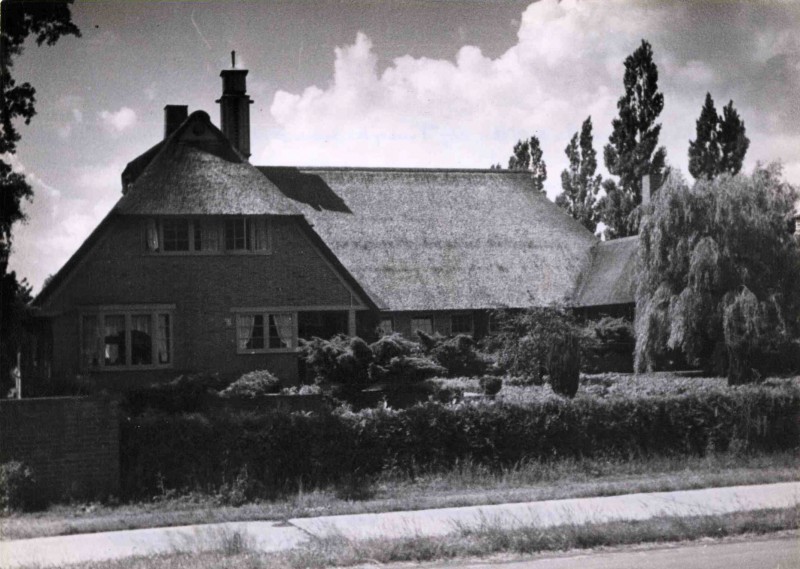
[481, 542]
[466, 485]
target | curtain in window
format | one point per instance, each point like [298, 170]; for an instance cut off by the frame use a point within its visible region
[284, 324]
[152, 235]
[209, 234]
[246, 322]
[114, 340]
[261, 238]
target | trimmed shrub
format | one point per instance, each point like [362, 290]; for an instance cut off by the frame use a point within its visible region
[338, 360]
[184, 394]
[458, 355]
[284, 451]
[564, 365]
[407, 370]
[491, 385]
[252, 385]
[393, 346]
[18, 491]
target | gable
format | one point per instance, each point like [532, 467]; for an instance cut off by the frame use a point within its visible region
[442, 239]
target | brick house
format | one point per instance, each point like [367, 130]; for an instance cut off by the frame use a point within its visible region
[210, 263]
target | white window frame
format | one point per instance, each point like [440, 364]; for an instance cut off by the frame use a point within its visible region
[127, 312]
[154, 230]
[471, 317]
[266, 313]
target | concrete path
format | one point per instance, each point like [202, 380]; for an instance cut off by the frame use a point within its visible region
[555, 512]
[62, 550]
[274, 536]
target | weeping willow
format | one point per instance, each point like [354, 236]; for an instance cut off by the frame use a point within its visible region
[719, 272]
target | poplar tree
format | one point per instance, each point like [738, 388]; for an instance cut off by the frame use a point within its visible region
[732, 140]
[528, 156]
[579, 182]
[631, 152]
[704, 151]
[721, 142]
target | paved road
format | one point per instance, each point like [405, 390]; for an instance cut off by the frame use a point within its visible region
[757, 554]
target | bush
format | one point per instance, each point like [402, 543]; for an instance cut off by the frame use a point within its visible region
[564, 365]
[607, 345]
[458, 355]
[253, 384]
[302, 390]
[491, 385]
[283, 451]
[393, 346]
[338, 360]
[184, 394]
[407, 370]
[527, 338]
[18, 491]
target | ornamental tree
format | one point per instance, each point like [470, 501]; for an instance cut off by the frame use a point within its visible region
[719, 273]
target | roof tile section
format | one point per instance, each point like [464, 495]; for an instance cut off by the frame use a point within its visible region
[442, 239]
[611, 279]
[196, 172]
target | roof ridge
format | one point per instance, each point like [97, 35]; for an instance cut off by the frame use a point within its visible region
[394, 169]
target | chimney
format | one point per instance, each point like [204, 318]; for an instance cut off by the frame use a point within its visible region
[174, 115]
[234, 108]
[646, 190]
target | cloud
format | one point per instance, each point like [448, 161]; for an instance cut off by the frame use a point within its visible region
[567, 64]
[118, 121]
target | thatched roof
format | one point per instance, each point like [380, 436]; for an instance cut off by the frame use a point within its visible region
[611, 279]
[442, 239]
[196, 171]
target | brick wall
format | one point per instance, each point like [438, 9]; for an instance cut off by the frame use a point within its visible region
[203, 288]
[71, 444]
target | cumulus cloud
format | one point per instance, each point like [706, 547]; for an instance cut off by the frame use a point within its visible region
[567, 64]
[118, 121]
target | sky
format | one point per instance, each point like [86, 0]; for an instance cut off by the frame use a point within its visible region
[411, 83]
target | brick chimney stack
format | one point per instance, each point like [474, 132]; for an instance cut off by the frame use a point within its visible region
[174, 115]
[646, 189]
[234, 108]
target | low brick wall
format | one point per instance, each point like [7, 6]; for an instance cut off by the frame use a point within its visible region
[70, 443]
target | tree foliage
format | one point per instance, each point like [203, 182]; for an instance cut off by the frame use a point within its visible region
[579, 182]
[631, 152]
[19, 19]
[721, 143]
[719, 273]
[528, 156]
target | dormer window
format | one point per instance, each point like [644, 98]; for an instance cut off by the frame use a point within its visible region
[208, 235]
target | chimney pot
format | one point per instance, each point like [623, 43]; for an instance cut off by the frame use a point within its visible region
[174, 116]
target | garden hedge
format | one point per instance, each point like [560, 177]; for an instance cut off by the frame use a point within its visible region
[282, 451]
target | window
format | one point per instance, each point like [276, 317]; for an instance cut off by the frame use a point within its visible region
[207, 235]
[321, 324]
[423, 324]
[246, 234]
[175, 234]
[495, 322]
[386, 326]
[461, 324]
[120, 338]
[262, 332]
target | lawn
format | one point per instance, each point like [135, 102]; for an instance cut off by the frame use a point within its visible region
[467, 483]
